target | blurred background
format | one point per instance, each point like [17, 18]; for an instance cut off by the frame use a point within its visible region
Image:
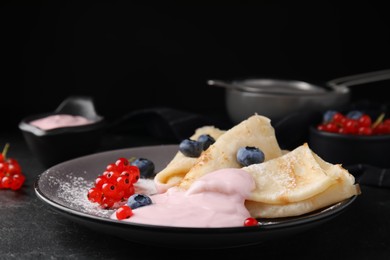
[129, 56]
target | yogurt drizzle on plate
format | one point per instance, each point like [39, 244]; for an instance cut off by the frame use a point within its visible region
[214, 200]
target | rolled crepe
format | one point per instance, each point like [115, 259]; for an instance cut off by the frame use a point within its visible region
[256, 131]
[178, 167]
[297, 183]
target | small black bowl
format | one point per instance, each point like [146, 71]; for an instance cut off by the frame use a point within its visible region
[60, 144]
[351, 149]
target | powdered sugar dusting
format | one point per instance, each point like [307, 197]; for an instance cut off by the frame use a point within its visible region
[73, 193]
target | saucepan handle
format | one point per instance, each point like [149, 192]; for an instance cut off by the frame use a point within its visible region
[359, 79]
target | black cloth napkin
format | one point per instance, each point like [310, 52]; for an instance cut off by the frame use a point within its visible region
[167, 123]
[370, 175]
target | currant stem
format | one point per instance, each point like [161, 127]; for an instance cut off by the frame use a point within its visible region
[378, 120]
[5, 150]
[132, 159]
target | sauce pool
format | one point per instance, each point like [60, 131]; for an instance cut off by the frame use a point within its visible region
[214, 200]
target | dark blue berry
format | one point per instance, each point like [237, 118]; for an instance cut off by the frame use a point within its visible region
[146, 167]
[138, 200]
[250, 155]
[354, 114]
[191, 148]
[206, 141]
[328, 116]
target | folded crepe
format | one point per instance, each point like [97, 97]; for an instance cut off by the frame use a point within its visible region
[256, 131]
[297, 183]
[174, 172]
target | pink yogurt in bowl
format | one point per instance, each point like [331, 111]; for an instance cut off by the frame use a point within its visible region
[72, 130]
[60, 120]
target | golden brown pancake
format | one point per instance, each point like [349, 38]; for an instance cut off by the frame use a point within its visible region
[297, 183]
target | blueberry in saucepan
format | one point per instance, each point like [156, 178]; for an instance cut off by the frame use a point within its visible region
[146, 167]
[206, 140]
[138, 200]
[250, 155]
[191, 148]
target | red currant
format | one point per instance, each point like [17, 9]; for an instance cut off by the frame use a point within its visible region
[123, 182]
[111, 167]
[6, 182]
[123, 212]
[17, 181]
[365, 121]
[331, 127]
[251, 222]
[100, 180]
[128, 192]
[121, 163]
[109, 189]
[107, 202]
[95, 195]
[350, 126]
[112, 176]
[365, 130]
[338, 118]
[3, 166]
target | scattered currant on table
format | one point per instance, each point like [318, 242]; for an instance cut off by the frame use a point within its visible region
[354, 122]
[11, 175]
[115, 184]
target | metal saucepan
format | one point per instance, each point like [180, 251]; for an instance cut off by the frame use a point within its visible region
[276, 98]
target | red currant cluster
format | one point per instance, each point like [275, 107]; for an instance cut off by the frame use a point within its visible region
[356, 123]
[11, 176]
[116, 184]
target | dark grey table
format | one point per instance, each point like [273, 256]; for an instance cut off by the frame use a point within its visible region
[30, 229]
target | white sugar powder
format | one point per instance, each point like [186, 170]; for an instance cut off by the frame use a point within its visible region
[73, 193]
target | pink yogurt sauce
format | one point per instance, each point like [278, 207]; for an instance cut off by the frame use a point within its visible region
[214, 200]
[60, 120]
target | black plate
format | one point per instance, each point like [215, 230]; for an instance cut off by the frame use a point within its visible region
[64, 186]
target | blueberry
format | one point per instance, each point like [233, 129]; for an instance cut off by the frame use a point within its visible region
[250, 155]
[354, 114]
[138, 200]
[206, 141]
[328, 116]
[145, 166]
[191, 148]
